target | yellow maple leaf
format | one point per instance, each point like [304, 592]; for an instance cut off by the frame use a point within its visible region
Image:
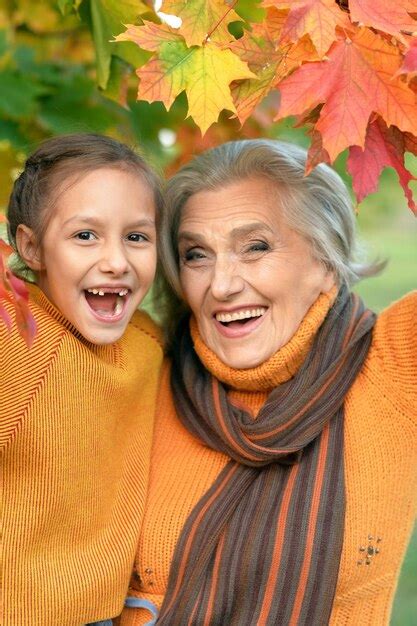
[203, 72]
[202, 19]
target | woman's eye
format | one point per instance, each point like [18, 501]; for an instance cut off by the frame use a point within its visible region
[258, 246]
[194, 254]
[85, 235]
[137, 237]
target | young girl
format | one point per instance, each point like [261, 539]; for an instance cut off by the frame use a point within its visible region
[76, 410]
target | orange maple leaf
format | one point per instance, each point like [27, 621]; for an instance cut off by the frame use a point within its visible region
[357, 79]
[257, 49]
[390, 17]
[316, 18]
[269, 61]
[383, 147]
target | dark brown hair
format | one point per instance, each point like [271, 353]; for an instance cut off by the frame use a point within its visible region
[58, 159]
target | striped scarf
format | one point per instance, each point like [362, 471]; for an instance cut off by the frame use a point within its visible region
[263, 545]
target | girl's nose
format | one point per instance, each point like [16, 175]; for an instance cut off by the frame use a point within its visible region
[114, 260]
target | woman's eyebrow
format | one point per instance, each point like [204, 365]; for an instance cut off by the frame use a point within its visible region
[247, 229]
[186, 235]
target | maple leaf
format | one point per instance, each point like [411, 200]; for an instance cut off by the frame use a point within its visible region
[357, 79]
[409, 65]
[269, 61]
[258, 51]
[383, 147]
[202, 19]
[149, 36]
[316, 153]
[316, 18]
[390, 17]
[203, 72]
[274, 21]
[14, 291]
[410, 143]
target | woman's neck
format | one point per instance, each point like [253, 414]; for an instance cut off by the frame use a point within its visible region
[281, 366]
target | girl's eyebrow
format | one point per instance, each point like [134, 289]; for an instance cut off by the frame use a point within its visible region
[94, 221]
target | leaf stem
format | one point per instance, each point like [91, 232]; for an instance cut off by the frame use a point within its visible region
[232, 6]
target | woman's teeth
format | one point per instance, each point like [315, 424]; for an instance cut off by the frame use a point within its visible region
[240, 315]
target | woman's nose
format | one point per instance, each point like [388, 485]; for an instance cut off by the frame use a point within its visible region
[226, 280]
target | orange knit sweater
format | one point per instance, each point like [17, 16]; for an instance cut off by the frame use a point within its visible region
[380, 465]
[76, 424]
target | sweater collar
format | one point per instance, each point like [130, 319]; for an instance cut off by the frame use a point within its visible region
[281, 366]
[37, 296]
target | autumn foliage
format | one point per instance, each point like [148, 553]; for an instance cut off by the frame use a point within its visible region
[345, 70]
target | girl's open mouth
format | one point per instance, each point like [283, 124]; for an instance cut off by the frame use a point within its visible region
[107, 304]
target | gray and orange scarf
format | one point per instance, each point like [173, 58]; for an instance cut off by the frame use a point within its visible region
[263, 545]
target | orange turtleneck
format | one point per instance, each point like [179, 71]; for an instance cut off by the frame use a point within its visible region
[379, 456]
[76, 423]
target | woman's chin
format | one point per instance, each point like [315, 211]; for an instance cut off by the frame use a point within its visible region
[243, 358]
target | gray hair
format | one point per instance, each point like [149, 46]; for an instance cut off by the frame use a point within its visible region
[317, 206]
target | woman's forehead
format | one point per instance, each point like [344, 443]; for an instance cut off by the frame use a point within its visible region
[234, 205]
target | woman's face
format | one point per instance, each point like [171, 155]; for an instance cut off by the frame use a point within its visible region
[247, 276]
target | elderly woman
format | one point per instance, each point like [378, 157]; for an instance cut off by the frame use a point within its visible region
[284, 478]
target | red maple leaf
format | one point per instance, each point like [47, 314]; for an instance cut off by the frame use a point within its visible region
[357, 79]
[390, 17]
[409, 65]
[14, 291]
[384, 147]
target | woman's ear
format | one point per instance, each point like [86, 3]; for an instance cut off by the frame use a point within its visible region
[329, 281]
[28, 247]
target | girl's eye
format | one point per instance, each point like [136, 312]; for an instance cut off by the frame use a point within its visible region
[85, 235]
[137, 237]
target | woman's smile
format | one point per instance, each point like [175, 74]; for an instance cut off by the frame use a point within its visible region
[241, 321]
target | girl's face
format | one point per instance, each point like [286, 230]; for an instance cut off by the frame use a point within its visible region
[97, 258]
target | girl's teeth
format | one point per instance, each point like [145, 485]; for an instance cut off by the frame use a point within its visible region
[100, 292]
[119, 307]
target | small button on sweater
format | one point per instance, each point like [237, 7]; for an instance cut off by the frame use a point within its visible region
[380, 458]
[76, 423]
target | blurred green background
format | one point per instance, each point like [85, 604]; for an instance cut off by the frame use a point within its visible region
[48, 86]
